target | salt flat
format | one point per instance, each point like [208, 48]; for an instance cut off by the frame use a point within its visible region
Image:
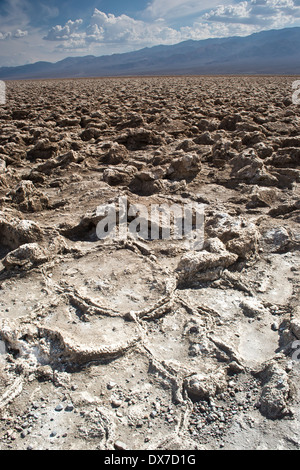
[144, 343]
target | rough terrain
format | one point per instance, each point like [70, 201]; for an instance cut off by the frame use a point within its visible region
[148, 344]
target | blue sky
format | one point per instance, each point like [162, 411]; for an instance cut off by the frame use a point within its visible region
[33, 30]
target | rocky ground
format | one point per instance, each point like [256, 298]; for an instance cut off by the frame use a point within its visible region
[149, 344]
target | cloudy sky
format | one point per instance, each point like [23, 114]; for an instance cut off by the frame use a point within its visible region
[50, 30]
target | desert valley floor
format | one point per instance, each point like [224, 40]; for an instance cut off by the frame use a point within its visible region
[150, 344]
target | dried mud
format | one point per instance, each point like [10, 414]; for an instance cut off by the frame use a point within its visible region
[146, 344]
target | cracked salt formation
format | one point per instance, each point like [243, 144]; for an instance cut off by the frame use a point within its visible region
[149, 343]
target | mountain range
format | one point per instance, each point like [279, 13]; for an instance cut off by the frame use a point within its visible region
[267, 52]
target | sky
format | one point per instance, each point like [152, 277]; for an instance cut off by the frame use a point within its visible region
[50, 30]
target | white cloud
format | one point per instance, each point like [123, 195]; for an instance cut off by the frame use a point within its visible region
[13, 35]
[113, 28]
[20, 34]
[109, 30]
[124, 28]
[260, 13]
[4, 36]
[172, 9]
[63, 33]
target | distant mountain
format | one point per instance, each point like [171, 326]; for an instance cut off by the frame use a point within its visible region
[267, 52]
